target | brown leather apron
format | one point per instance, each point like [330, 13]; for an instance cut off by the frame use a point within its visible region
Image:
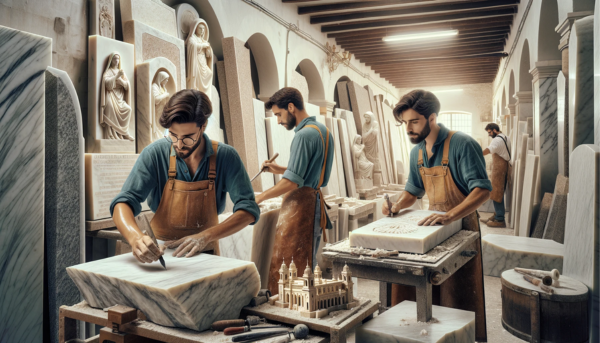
[296, 224]
[187, 208]
[499, 173]
[464, 289]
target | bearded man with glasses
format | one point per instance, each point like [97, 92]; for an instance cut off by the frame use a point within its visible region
[185, 178]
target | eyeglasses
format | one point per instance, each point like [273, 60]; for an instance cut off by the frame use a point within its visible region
[187, 141]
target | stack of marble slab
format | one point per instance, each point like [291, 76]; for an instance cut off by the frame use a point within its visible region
[191, 293]
[403, 234]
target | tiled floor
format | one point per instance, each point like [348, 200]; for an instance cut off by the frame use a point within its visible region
[496, 333]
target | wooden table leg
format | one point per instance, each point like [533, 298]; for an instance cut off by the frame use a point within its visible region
[67, 327]
[424, 297]
[385, 296]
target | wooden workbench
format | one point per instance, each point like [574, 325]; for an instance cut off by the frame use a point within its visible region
[419, 270]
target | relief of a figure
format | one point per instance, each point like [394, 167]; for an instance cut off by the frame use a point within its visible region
[115, 100]
[105, 25]
[199, 58]
[363, 168]
[161, 96]
[370, 135]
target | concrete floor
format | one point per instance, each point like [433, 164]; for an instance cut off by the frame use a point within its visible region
[493, 303]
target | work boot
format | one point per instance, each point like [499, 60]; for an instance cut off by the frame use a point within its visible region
[495, 223]
[483, 220]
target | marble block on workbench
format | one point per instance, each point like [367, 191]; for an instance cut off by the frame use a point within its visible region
[192, 293]
[399, 324]
[502, 253]
[403, 234]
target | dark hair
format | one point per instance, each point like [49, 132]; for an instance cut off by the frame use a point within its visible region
[186, 106]
[422, 101]
[284, 96]
[492, 127]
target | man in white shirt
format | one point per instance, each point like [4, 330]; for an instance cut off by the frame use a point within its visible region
[500, 150]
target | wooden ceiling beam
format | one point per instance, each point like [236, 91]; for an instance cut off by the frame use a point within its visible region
[401, 70]
[357, 5]
[439, 84]
[377, 41]
[425, 76]
[449, 81]
[359, 53]
[448, 52]
[443, 61]
[433, 57]
[415, 11]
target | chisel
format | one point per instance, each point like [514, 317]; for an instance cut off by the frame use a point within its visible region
[150, 233]
[271, 160]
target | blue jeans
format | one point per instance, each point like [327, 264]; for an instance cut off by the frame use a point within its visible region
[499, 208]
[317, 231]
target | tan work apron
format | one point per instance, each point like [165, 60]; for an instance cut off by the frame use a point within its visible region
[499, 173]
[464, 289]
[295, 226]
[187, 208]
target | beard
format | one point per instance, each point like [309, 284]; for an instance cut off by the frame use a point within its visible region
[188, 151]
[421, 135]
[291, 124]
[494, 135]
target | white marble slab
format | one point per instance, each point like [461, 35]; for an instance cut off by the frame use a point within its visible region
[501, 252]
[399, 325]
[279, 139]
[563, 142]
[24, 58]
[191, 293]
[528, 195]
[102, 18]
[186, 14]
[403, 234]
[347, 158]
[350, 123]
[333, 127]
[99, 51]
[520, 166]
[265, 180]
[546, 140]
[597, 76]
[582, 257]
[150, 12]
[581, 83]
[213, 128]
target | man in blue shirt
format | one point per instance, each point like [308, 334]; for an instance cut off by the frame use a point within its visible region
[303, 217]
[185, 178]
[449, 167]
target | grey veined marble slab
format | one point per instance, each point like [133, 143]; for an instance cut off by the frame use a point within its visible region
[24, 58]
[192, 293]
[403, 234]
[597, 76]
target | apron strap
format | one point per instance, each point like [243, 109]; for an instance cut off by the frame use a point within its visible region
[323, 222]
[420, 161]
[212, 160]
[172, 165]
[447, 148]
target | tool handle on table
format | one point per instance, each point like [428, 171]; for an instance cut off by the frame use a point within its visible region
[258, 335]
[224, 324]
[235, 330]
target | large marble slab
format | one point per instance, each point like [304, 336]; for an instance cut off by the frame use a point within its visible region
[403, 234]
[528, 195]
[582, 257]
[542, 217]
[213, 128]
[102, 18]
[265, 180]
[148, 128]
[359, 98]
[519, 176]
[347, 159]
[279, 140]
[399, 325]
[562, 124]
[581, 83]
[333, 186]
[343, 96]
[99, 51]
[545, 126]
[191, 293]
[64, 195]
[557, 217]
[333, 127]
[24, 58]
[597, 76]
[501, 252]
[150, 42]
[150, 12]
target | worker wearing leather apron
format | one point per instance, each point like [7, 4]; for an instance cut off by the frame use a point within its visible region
[303, 216]
[500, 150]
[185, 178]
[449, 167]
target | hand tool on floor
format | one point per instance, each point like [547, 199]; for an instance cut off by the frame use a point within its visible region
[242, 329]
[389, 203]
[554, 274]
[300, 331]
[150, 233]
[261, 298]
[538, 283]
[262, 170]
[249, 321]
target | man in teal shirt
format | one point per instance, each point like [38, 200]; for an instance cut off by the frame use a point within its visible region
[186, 116]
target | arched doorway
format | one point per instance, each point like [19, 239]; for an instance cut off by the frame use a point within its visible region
[316, 91]
[263, 66]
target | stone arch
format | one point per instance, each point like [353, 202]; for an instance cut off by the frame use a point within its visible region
[525, 78]
[309, 70]
[511, 88]
[266, 77]
[548, 39]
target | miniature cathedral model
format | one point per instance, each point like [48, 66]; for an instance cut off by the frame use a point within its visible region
[312, 295]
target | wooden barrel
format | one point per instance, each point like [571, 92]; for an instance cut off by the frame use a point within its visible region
[536, 316]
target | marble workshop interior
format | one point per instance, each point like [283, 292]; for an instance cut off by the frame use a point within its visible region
[83, 84]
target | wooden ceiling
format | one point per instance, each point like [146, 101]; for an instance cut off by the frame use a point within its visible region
[472, 56]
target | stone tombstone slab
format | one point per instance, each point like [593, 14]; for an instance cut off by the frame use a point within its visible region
[186, 14]
[150, 42]
[400, 325]
[542, 218]
[147, 126]
[240, 106]
[331, 124]
[351, 125]
[105, 174]
[265, 180]
[102, 18]
[359, 98]
[562, 124]
[520, 166]
[581, 83]
[279, 140]
[299, 82]
[547, 131]
[347, 158]
[99, 51]
[24, 58]
[597, 76]
[64, 195]
[555, 226]
[527, 198]
[403, 234]
[343, 96]
[150, 12]
[582, 226]
[192, 293]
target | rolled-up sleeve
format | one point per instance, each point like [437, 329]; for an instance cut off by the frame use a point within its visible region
[300, 154]
[138, 185]
[237, 183]
[414, 184]
[471, 164]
